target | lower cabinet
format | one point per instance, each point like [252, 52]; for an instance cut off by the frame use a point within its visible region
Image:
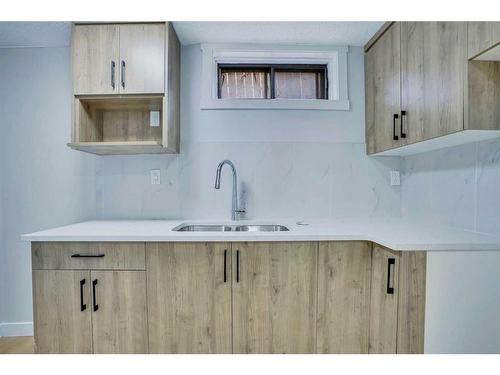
[274, 297]
[189, 293]
[250, 297]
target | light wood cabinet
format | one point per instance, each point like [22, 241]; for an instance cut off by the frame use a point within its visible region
[439, 98]
[384, 300]
[119, 316]
[382, 92]
[189, 290]
[344, 276]
[96, 56]
[126, 85]
[62, 311]
[88, 310]
[481, 37]
[433, 71]
[222, 297]
[274, 297]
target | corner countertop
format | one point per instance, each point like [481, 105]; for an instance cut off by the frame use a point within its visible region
[395, 233]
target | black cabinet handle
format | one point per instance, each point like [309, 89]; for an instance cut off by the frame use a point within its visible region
[403, 116]
[94, 301]
[83, 306]
[237, 266]
[87, 256]
[225, 264]
[113, 74]
[390, 262]
[123, 74]
[394, 136]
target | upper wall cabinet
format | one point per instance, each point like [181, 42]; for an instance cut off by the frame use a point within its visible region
[126, 86]
[125, 59]
[421, 90]
[482, 36]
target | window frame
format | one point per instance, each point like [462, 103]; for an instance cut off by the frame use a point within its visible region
[334, 58]
[272, 68]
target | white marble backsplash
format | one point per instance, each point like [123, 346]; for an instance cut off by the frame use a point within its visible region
[458, 186]
[299, 180]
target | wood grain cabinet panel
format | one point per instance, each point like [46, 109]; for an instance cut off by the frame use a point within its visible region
[274, 297]
[189, 293]
[481, 37]
[384, 302]
[62, 311]
[382, 88]
[119, 324]
[344, 276]
[433, 76]
[94, 49]
[142, 58]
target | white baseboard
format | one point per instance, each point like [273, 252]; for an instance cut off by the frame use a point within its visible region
[16, 329]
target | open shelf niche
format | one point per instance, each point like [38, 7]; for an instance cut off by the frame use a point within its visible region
[120, 125]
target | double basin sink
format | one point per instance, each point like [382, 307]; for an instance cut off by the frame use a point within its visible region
[231, 228]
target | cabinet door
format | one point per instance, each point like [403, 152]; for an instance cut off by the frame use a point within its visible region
[344, 273]
[481, 37]
[274, 297]
[189, 292]
[95, 50]
[383, 92]
[142, 58]
[384, 300]
[62, 311]
[119, 318]
[433, 67]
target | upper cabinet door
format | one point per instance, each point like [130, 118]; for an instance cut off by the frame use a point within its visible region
[482, 36]
[274, 297]
[382, 85]
[433, 68]
[142, 59]
[95, 50]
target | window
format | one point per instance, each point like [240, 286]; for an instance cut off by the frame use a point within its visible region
[274, 77]
[300, 81]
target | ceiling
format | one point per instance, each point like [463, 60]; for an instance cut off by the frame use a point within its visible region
[57, 34]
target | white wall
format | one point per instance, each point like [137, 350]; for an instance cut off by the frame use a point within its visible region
[44, 183]
[291, 163]
[459, 186]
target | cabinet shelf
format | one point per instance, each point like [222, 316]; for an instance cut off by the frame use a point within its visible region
[122, 148]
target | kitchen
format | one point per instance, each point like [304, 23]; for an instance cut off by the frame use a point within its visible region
[160, 216]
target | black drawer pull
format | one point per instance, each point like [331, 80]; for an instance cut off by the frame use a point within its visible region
[394, 136]
[390, 262]
[237, 266]
[83, 306]
[87, 256]
[94, 301]
[225, 265]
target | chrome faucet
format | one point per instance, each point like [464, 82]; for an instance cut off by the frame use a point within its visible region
[235, 210]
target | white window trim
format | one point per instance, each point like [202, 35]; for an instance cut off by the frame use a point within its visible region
[334, 57]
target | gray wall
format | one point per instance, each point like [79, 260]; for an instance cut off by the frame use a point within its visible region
[460, 187]
[44, 183]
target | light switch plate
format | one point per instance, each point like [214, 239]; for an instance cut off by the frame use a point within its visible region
[395, 178]
[155, 176]
[154, 118]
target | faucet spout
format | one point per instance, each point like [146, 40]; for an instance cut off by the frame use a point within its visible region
[235, 210]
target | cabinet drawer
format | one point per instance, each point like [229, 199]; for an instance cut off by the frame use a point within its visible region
[88, 255]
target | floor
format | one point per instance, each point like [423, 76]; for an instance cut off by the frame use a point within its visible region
[17, 345]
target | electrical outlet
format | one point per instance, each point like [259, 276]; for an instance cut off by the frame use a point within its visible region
[395, 178]
[155, 176]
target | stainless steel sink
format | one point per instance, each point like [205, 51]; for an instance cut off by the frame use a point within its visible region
[231, 228]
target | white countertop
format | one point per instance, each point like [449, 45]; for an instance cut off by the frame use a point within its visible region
[396, 234]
